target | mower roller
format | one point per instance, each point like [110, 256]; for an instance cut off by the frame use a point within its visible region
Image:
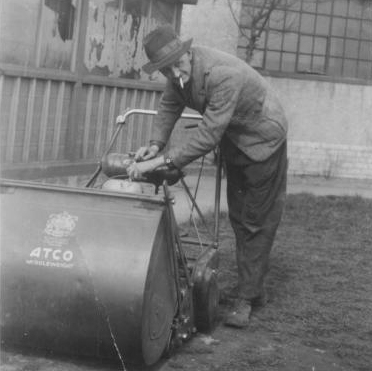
[102, 271]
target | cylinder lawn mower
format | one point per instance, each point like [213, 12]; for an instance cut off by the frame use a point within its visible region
[102, 270]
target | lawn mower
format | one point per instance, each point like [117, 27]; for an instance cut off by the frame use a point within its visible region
[101, 270]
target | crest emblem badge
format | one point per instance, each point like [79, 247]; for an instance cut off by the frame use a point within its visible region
[60, 225]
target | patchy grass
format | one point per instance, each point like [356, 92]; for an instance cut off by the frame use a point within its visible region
[319, 316]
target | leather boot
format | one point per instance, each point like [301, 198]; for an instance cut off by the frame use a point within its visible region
[239, 317]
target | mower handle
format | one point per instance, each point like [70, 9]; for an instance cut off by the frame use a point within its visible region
[122, 119]
[120, 122]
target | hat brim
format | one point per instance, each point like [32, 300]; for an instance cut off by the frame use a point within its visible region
[168, 59]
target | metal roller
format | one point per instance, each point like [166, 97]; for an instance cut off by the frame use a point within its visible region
[86, 272]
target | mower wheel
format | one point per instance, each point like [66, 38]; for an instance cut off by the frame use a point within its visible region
[206, 297]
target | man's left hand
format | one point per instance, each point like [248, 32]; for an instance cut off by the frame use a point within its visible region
[137, 169]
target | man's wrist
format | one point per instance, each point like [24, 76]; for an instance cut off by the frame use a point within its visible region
[155, 148]
[157, 143]
[168, 162]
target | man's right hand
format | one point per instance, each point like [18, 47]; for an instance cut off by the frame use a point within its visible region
[146, 153]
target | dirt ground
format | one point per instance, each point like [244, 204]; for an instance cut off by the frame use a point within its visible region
[318, 318]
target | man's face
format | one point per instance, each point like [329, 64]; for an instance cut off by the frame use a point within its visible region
[179, 69]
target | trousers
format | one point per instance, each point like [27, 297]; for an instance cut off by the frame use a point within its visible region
[256, 193]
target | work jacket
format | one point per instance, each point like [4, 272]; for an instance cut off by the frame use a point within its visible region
[233, 99]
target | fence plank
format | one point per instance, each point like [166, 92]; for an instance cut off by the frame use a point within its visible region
[99, 127]
[111, 114]
[29, 121]
[87, 120]
[58, 121]
[13, 121]
[44, 122]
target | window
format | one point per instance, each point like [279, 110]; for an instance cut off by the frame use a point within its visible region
[331, 37]
[37, 33]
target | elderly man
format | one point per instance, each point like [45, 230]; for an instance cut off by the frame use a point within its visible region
[243, 116]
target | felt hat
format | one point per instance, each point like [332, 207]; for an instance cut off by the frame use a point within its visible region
[163, 47]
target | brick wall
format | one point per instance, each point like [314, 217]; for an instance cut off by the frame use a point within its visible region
[330, 123]
[329, 160]
[330, 127]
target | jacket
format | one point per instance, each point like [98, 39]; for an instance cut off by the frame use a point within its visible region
[233, 99]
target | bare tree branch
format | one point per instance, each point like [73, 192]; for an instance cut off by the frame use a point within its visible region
[259, 18]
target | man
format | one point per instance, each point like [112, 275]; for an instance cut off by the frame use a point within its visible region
[242, 115]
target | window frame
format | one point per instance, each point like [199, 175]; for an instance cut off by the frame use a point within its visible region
[344, 53]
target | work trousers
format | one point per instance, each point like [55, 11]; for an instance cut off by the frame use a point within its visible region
[256, 194]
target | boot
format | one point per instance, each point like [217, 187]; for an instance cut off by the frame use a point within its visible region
[239, 317]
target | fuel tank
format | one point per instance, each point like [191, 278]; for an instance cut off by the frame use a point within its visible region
[86, 272]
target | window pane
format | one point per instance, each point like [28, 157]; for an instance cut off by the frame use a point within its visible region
[262, 40]
[18, 28]
[322, 25]
[320, 45]
[365, 70]
[367, 11]
[306, 44]
[325, 7]
[288, 62]
[351, 48]
[340, 7]
[57, 34]
[335, 66]
[355, 9]
[304, 63]
[367, 30]
[365, 50]
[243, 42]
[274, 41]
[338, 26]
[246, 16]
[353, 28]
[307, 23]
[350, 68]
[309, 6]
[290, 42]
[292, 21]
[318, 64]
[273, 61]
[277, 18]
[337, 47]
[293, 5]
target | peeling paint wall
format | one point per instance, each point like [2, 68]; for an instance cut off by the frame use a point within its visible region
[67, 69]
[115, 32]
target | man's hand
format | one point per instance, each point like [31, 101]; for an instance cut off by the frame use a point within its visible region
[136, 169]
[146, 153]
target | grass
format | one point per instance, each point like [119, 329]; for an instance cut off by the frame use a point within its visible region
[320, 285]
[319, 317]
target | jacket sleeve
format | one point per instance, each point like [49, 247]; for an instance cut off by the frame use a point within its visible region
[170, 109]
[223, 87]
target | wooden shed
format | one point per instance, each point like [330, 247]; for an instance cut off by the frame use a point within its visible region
[67, 69]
